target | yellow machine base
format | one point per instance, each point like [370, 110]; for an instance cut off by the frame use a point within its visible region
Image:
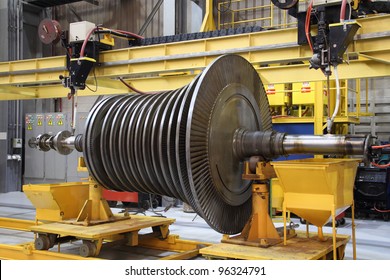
[119, 233]
[124, 230]
[297, 248]
[133, 224]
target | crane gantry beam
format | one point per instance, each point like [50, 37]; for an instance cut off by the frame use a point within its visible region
[274, 53]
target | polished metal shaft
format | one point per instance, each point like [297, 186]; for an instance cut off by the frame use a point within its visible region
[63, 142]
[266, 144]
[325, 144]
[271, 144]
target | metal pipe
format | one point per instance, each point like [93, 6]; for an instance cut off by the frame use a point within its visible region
[17, 126]
[19, 54]
[17, 31]
[150, 17]
[74, 113]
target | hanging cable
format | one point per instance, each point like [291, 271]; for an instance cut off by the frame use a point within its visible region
[137, 90]
[305, 112]
[119, 33]
[82, 51]
[380, 165]
[127, 34]
[381, 211]
[96, 82]
[342, 10]
[338, 99]
[350, 9]
[381, 146]
[307, 25]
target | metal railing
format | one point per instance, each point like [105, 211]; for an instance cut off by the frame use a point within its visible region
[266, 15]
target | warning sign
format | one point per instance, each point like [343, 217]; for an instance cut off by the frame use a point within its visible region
[39, 120]
[50, 122]
[271, 89]
[60, 122]
[29, 126]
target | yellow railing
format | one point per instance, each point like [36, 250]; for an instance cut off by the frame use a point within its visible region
[357, 111]
[283, 97]
[266, 15]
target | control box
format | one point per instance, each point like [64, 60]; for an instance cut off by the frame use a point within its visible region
[78, 31]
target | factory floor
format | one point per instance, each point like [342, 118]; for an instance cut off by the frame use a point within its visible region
[373, 236]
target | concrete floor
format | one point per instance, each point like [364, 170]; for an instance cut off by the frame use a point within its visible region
[373, 236]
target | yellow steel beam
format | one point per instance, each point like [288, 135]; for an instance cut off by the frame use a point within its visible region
[17, 224]
[150, 68]
[144, 84]
[27, 252]
[27, 93]
[362, 68]
[172, 243]
[182, 256]
[379, 57]
[186, 249]
[54, 91]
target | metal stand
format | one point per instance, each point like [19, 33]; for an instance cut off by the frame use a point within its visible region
[95, 209]
[262, 240]
[259, 231]
[333, 193]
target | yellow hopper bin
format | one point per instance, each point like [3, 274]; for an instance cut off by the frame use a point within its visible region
[57, 202]
[317, 189]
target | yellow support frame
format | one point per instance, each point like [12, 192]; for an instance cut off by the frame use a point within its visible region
[169, 66]
[180, 249]
[208, 23]
[299, 248]
[27, 252]
[17, 224]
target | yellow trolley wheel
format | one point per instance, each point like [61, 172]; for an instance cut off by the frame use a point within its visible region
[88, 249]
[45, 241]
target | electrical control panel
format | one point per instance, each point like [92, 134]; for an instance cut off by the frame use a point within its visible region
[44, 165]
[34, 159]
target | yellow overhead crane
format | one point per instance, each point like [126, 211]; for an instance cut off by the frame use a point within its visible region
[172, 65]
